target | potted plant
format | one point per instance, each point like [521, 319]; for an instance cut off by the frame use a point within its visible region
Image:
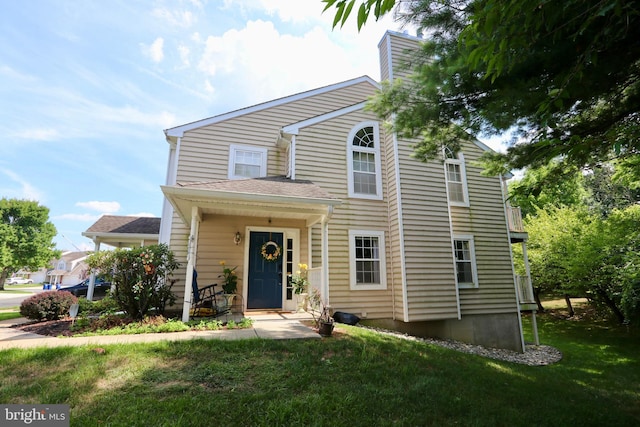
[299, 283]
[229, 283]
[320, 313]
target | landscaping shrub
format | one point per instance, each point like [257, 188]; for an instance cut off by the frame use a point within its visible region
[106, 305]
[48, 305]
[142, 277]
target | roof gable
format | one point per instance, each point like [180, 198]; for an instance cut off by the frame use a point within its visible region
[178, 131]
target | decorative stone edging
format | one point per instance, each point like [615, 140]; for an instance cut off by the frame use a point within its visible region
[534, 355]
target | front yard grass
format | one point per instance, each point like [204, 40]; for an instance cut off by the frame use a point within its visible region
[356, 378]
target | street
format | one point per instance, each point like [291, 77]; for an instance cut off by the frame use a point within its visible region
[13, 297]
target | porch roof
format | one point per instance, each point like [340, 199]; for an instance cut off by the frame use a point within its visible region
[274, 196]
[118, 231]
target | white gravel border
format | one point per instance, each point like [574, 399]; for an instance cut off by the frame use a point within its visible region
[534, 355]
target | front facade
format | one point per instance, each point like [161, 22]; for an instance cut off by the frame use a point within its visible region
[313, 178]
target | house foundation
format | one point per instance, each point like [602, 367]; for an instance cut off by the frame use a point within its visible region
[488, 330]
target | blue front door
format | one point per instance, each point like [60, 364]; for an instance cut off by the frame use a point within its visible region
[265, 277]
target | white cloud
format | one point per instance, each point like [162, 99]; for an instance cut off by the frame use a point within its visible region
[38, 134]
[184, 53]
[176, 18]
[155, 51]
[108, 207]
[267, 64]
[25, 191]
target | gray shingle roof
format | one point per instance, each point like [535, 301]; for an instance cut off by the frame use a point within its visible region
[272, 186]
[126, 224]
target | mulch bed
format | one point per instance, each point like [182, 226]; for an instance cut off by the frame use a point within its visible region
[51, 328]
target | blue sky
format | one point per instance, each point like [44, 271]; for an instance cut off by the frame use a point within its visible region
[87, 87]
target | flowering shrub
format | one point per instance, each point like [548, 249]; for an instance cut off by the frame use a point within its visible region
[230, 279]
[299, 281]
[49, 305]
[142, 277]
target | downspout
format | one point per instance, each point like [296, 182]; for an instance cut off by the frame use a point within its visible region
[453, 249]
[292, 158]
[191, 260]
[325, 254]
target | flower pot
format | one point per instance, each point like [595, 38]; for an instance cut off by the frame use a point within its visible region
[229, 300]
[301, 299]
[325, 329]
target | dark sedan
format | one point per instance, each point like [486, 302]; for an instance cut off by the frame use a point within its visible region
[80, 290]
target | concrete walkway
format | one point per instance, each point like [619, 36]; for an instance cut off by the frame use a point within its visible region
[267, 326]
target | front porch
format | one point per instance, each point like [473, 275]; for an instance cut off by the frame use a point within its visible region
[261, 227]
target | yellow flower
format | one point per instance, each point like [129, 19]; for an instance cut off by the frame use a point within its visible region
[222, 263]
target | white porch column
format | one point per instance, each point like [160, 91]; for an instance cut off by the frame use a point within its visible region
[167, 209]
[92, 278]
[191, 262]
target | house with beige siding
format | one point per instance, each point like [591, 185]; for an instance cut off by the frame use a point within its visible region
[314, 178]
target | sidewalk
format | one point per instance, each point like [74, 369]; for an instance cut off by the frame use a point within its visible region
[266, 326]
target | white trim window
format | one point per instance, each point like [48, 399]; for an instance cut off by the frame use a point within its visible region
[465, 259]
[456, 176]
[367, 260]
[363, 163]
[247, 162]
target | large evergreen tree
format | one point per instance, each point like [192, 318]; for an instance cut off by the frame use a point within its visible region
[26, 237]
[565, 75]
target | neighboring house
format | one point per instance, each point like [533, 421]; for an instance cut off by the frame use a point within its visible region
[124, 231]
[69, 269]
[314, 178]
[121, 232]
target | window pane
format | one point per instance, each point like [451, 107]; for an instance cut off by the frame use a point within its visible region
[364, 138]
[463, 261]
[248, 171]
[367, 260]
[247, 164]
[364, 183]
[456, 192]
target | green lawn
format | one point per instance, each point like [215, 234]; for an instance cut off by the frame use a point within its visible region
[356, 378]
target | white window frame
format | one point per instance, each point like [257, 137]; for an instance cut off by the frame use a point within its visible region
[459, 160]
[234, 148]
[375, 151]
[472, 254]
[352, 260]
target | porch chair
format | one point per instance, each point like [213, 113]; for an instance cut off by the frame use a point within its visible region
[204, 302]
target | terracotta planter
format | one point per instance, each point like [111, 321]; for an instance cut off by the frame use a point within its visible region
[325, 329]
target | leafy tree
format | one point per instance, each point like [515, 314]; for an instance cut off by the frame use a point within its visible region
[26, 237]
[565, 76]
[541, 187]
[142, 277]
[575, 252]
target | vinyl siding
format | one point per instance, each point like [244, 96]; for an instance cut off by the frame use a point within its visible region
[321, 156]
[485, 220]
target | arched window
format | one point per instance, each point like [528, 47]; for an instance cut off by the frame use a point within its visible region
[363, 151]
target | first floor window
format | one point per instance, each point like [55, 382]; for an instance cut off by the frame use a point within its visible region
[367, 262]
[464, 252]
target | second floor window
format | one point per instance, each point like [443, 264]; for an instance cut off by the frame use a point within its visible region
[363, 150]
[456, 178]
[247, 162]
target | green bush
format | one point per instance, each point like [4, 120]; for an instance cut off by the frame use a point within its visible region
[141, 277]
[49, 305]
[106, 305]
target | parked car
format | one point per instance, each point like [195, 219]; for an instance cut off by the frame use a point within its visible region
[80, 290]
[18, 281]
